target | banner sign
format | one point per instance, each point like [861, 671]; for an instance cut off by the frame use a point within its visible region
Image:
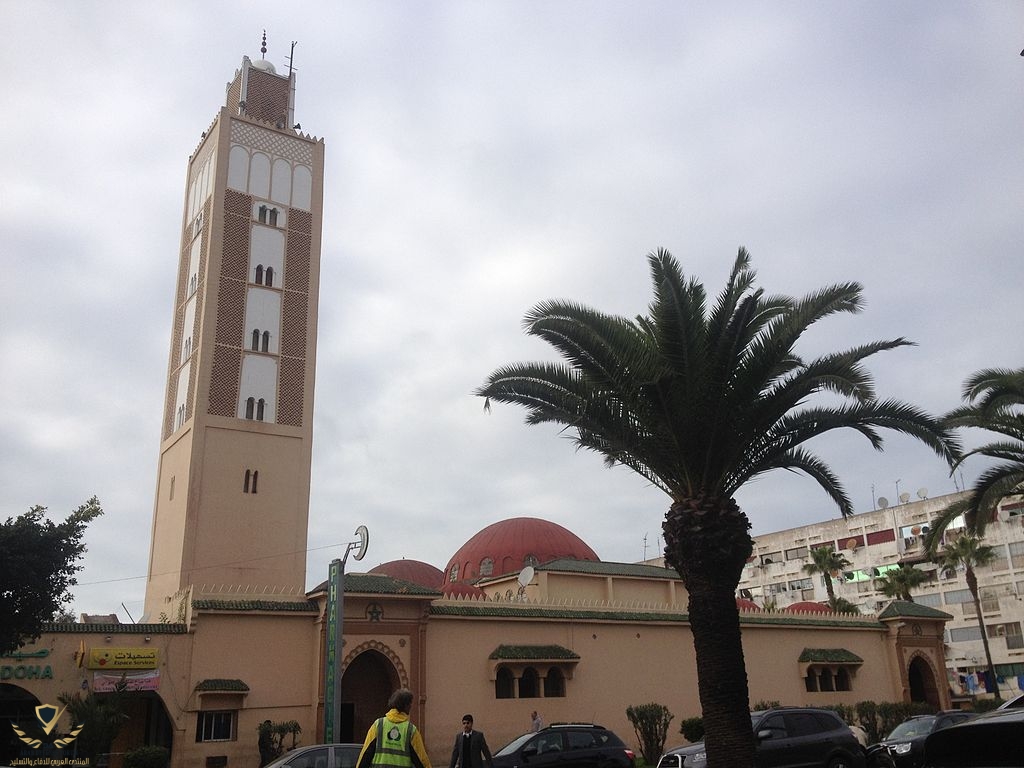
[123, 658]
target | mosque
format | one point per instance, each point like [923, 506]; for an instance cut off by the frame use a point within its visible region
[525, 615]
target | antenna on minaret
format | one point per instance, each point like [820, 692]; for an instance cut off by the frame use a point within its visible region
[291, 57]
[263, 48]
[645, 547]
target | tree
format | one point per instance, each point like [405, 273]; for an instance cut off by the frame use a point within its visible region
[995, 402]
[101, 715]
[827, 561]
[650, 723]
[37, 570]
[968, 552]
[698, 401]
[897, 582]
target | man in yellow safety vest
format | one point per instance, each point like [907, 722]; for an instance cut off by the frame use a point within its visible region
[393, 741]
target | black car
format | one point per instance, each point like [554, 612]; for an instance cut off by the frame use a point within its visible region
[319, 756]
[567, 745]
[788, 737]
[992, 740]
[906, 742]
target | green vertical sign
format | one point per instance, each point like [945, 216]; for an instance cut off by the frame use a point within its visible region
[332, 651]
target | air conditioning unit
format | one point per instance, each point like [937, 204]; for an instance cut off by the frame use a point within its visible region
[1000, 630]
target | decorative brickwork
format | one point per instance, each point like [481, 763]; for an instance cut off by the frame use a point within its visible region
[294, 318]
[238, 203]
[266, 97]
[296, 264]
[234, 92]
[224, 380]
[291, 391]
[300, 221]
[273, 142]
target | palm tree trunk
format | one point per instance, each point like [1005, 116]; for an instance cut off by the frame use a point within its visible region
[707, 542]
[972, 584]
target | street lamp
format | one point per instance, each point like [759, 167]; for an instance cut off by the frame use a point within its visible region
[335, 633]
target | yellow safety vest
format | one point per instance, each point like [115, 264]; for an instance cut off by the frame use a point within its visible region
[393, 743]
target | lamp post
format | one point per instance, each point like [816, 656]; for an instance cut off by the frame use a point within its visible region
[335, 633]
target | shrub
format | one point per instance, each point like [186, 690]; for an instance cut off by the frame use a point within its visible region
[146, 757]
[650, 722]
[692, 728]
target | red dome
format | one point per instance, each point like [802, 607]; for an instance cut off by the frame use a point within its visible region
[416, 571]
[745, 604]
[808, 607]
[510, 545]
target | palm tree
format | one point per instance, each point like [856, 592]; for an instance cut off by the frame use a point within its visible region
[968, 552]
[699, 400]
[897, 582]
[995, 402]
[826, 561]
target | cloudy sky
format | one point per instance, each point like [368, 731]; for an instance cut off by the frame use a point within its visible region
[482, 157]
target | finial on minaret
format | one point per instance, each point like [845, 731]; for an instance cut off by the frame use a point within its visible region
[263, 48]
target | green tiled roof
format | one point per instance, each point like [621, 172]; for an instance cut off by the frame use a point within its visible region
[115, 629]
[830, 656]
[532, 652]
[598, 568]
[224, 684]
[810, 620]
[205, 604]
[913, 610]
[530, 611]
[379, 584]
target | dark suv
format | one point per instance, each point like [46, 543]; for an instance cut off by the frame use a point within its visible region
[906, 742]
[788, 737]
[569, 745]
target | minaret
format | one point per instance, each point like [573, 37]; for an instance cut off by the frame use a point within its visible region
[232, 497]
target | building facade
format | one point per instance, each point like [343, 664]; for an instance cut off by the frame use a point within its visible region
[877, 541]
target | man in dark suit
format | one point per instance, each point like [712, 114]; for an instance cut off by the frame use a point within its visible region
[471, 750]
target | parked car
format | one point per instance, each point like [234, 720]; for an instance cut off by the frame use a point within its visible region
[319, 756]
[1014, 703]
[788, 737]
[906, 741]
[992, 740]
[567, 745]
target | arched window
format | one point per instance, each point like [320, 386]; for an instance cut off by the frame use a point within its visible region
[825, 680]
[259, 274]
[255, 479]
[530, 560]
[269, 282]
[528, 684]
[453, 574]
[250, 407]
[273, 217]
[842, 679]
[259, 409]
[266, 341]
[554, 684]
[255, 340]
[486, 567]
[263, 214]
[248, 479]
[504, 684]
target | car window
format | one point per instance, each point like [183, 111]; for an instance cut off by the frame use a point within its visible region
[580, 740]
[513, 746]
[547, 742]
[828, 722]
[311, 758]
[775, 724]
[346, 757]
[801, 724]
[909, 729]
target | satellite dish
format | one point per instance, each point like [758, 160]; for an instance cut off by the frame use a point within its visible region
[904, 497]
[922, 493]
[526, 576]
[364, 539]
[882, 502]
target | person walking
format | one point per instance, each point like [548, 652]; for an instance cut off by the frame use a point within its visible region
[393, 741]
[535, 722]
[471, 750]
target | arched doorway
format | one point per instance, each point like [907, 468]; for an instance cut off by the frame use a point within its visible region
[16, 706]
[366, 684]
[922, 682]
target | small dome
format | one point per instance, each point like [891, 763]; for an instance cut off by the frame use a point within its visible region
[808, 607]
[510, 545]
[745, 604]
[416, 571]
[264, 65]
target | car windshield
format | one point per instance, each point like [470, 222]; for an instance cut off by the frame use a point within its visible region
[919, 726]
[514, 745]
